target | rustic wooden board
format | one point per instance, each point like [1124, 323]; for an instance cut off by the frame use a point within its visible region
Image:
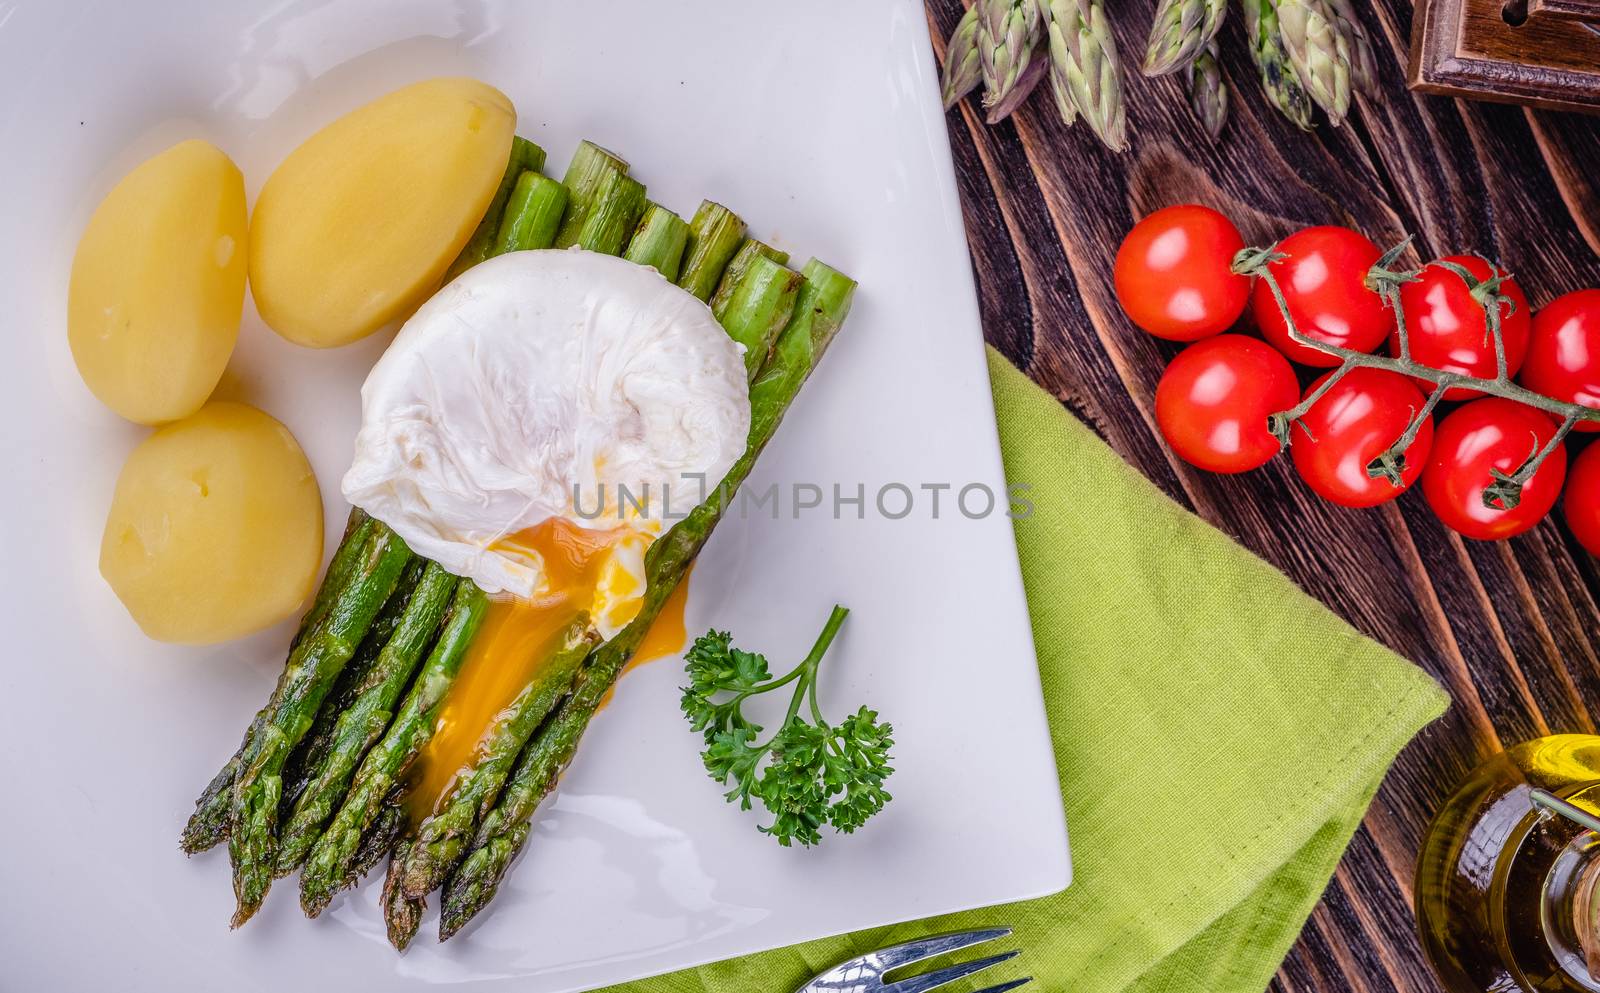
[1507, 628]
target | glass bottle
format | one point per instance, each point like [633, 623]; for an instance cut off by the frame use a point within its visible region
[1506, 889]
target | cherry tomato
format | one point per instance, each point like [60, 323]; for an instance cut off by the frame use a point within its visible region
[1353, 423]
[1564, 352]
[1581, 505]
[1213, 401]
[1491, 433]
[1446, 325]
[1324, 281]
[1173, 274]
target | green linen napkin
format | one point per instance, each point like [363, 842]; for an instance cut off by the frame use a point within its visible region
[1218, 733]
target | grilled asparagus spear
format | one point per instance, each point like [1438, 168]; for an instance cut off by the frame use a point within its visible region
[714, 236]
[313, 667]
[659, 241]
[525, 157]
[588, 169]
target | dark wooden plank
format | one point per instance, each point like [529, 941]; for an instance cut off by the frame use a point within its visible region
[1507, 629]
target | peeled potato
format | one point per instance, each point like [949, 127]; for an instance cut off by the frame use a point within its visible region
[215, 530]
[158, 284]
[357, 226]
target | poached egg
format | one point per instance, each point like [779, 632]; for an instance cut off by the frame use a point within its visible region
[539, 396]
[533, 428]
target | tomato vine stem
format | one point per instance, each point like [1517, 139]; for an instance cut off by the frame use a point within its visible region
[1504, 491]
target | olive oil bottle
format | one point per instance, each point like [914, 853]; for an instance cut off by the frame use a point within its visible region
[1506, 885]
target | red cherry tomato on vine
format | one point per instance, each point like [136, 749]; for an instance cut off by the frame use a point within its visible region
[1353, 423]
[1173, 273]
[1581, 505]
[1214, 399]
[1564, 352]
[1492, 433]
[1447, 329]
[1324, 281]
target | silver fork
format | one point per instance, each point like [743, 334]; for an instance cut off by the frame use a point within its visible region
[865, 973]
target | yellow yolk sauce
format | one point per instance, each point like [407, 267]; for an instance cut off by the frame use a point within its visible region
[518, 635]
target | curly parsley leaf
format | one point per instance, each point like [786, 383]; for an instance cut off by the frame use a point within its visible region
[809, 773]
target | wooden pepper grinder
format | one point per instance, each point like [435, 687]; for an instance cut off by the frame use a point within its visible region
[1544, 53]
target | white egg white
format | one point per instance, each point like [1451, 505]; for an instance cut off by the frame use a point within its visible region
[530, 387]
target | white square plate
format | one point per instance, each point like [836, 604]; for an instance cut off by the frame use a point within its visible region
[820, 123]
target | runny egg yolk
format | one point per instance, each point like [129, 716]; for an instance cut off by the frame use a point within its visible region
[599, 571]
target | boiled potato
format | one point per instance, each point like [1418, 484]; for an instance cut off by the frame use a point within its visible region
[158, 284]
[215, 530]
[357, 226]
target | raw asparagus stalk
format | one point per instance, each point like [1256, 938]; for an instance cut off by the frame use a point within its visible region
[525, 157]
[590, 165]
[314, 747]
[208, 825]
[368, 715]
[331, 859]
[659, 241]
[1007, 34]
[613, 213]
[1208, 91]
[743, 259]
[1278, 76]
[435, 850]
[714, 236]
[312, 669]
[961, 74]
[824, 303]
[532, 215]
[757, 307]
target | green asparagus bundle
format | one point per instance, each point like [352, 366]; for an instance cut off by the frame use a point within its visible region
[612, 209]
[313, 666]
[423, 861]
[818, 314]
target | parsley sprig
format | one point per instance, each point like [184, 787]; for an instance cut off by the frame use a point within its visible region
[808, 773]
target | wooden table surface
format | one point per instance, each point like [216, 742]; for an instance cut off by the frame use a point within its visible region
[1508, 628]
